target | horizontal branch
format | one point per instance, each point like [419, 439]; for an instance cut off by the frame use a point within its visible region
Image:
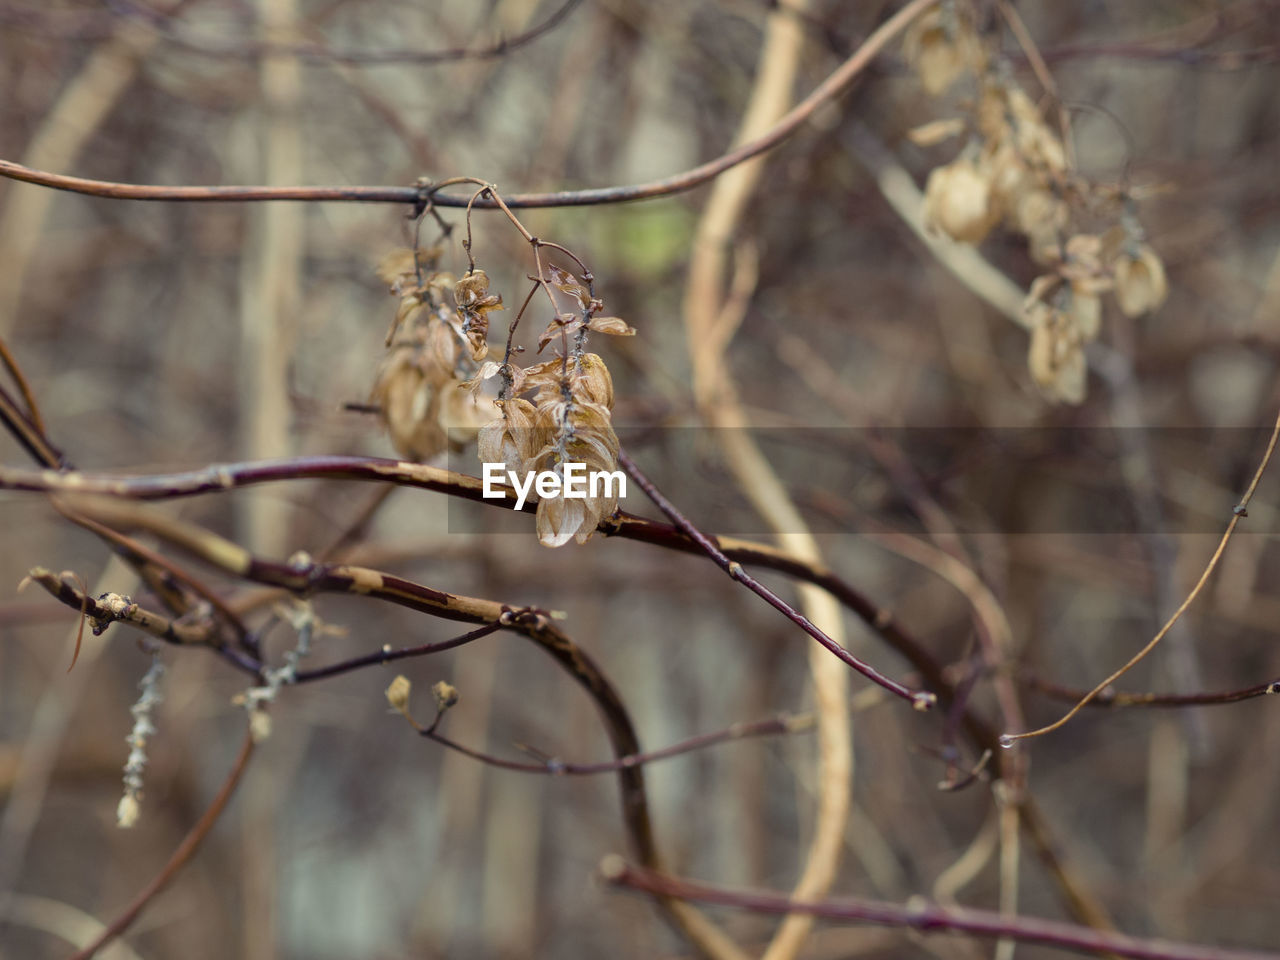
[222, 477]
[420, 195]
[553, 766]
[924, 916]
[390, 655]
[1120, 698]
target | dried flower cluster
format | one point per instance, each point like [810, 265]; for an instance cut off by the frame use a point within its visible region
[436, 380]
[568, 420]
[436, 343]
[1013, 171]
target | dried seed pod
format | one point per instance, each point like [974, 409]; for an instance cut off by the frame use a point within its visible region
[407, 399]
[1035, 141]
[1140, 281]
[1085, 311]
[512, 439]
[1042, 217]
[957, 201]
[941, 46]
[1055, 356]
[471, 294]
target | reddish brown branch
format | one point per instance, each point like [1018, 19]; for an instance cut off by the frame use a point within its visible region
[419, 196]
[186, 850]
[1120, 698]
[923, 916]
[553, 766]
[918, 699]
[388, 655]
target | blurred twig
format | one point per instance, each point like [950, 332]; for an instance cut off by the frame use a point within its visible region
[925, 917]
[418, 196]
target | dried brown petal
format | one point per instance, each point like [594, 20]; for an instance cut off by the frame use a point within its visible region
[405, 398]
[1141, 285]
[1055, 356]
[565, 281]
[1042, 217]
[471, 289]
[596, 385]
[558, 520]
[1086, 313]
[558, 327]
[614, 326]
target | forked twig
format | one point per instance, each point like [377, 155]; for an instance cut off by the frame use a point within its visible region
[1238, 512]
[921, 700]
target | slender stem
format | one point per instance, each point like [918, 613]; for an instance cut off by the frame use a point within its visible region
[388, 655]
[1114, 698]
[831, 88]
[1238, 512]
[186, 850]
[773, 726]
[919, 699]
[20, 380]
[923, 916]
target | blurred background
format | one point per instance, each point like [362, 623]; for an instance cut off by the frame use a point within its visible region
[164, 336]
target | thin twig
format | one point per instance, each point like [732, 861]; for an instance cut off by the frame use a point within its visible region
[921, 700]
[831, 88]
[1120, 698]
[389, 655]
[1238, 512]
[923, 916]
[773, 726]
[186, 850]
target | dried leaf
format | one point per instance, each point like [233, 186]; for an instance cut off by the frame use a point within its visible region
[614, 326]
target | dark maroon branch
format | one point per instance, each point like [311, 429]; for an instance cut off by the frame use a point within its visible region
[424, 194]
[162, 23]
[388, 655]
[923, 916]
[773, 726]
[918, 699]
[1119, 698]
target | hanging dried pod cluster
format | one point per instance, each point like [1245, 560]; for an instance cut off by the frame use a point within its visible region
[435, 344]
[1013, 171]
[568, 420]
